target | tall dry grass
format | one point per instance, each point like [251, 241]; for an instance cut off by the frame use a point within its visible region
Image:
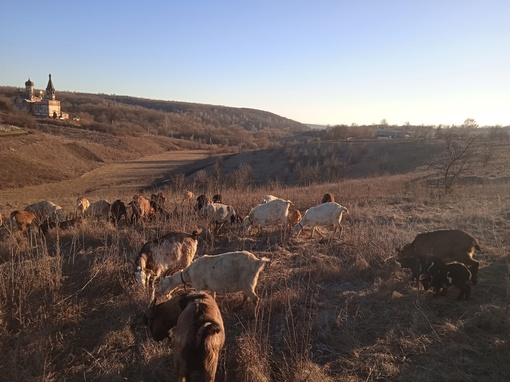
[332, 308]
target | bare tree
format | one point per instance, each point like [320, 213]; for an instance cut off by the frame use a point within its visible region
[453, 161]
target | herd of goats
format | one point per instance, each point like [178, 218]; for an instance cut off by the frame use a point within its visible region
[437, 259]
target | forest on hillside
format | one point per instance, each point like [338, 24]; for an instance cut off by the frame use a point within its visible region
[122, 115]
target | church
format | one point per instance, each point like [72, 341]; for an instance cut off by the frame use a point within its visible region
[44, 105]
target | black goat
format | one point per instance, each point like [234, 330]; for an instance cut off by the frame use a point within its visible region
[440, 276]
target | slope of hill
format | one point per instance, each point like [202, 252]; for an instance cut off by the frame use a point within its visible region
[123, 115]
[56, 154]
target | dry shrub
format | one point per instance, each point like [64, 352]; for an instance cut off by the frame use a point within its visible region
[251, 361]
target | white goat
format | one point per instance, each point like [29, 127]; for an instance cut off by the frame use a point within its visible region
[219, 214]
[269, 198]
[323, 214]
[267, 213]
[225, 273]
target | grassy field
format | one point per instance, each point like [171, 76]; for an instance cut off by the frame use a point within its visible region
[333, 308]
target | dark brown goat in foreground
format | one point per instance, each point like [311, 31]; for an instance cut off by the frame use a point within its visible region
[447, 245]
[199, 334]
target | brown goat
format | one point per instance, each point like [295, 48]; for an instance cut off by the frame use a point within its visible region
[82, 204]
[118, 210]
[188, 197]
[199, 333]
[327, 198]
[198, 339]
[22, 219]
[294, 218]
[141, 208]
[447, 245]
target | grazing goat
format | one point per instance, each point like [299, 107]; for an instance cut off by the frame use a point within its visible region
[45, 211]
[63, 225]
[327, 198]
[188, 197]
[22, 220]
[225, 273]
[173, 251]
[82, 204]
[217, 198]
[269, 198]
[294, 218]
[156, 209]
[118, 210]
[267, 213]
[159, 200]
[417, 265]
[439, 276]
[202, 201]
[323, 214]
[219, 214]
[199, 333]
[98, 210]
[447, 245]
[198, 339]
[141, 208]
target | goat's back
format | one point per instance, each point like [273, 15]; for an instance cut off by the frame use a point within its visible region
[324, 213]
[174, 250]
[273, 210]
[198, 339]
[227, 272]
[448, 245]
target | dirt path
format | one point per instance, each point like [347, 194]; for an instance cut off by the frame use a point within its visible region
[120, 179]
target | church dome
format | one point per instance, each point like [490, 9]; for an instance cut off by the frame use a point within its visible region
[29, 83]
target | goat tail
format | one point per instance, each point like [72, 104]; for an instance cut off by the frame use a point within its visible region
[208, 329]
[209, 341]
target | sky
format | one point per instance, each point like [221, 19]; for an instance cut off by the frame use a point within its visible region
[318, 62]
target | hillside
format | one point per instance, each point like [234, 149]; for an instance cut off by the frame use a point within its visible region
[130, 116]
[53, 154]
[333, 308]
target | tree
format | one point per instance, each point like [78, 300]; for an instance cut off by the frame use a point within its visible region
[471, 123]
[453, 161]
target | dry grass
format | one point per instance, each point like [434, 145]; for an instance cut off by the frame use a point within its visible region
[332, 308]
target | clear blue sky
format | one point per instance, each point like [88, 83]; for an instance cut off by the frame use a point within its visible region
[323, 62]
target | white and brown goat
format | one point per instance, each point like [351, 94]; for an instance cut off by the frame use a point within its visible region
[173, 251]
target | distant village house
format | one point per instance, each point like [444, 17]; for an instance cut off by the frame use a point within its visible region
[44, 105]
